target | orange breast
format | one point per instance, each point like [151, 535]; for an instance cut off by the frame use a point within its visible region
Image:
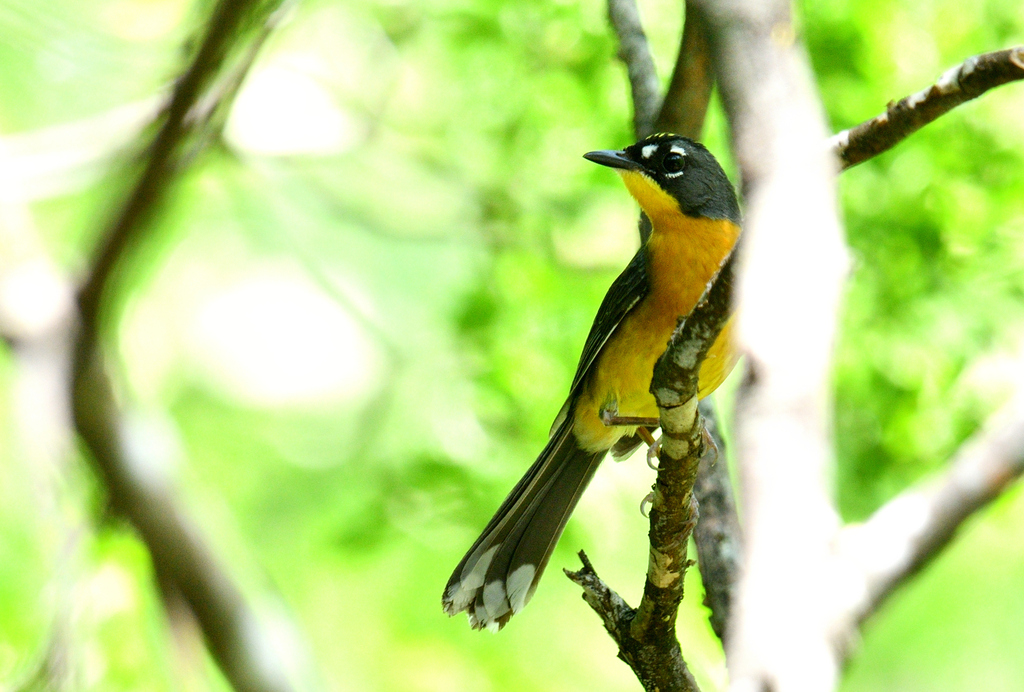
[683, 256]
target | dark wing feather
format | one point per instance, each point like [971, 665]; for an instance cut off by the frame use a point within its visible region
[628, 289]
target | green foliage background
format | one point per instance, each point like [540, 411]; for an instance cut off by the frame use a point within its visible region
[447, 244]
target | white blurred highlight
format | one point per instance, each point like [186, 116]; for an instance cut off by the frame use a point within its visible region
[282, 110]
[275, 338]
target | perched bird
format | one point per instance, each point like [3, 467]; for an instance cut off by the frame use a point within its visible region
[695, 221]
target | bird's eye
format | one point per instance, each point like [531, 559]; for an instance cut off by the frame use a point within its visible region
[672, 163]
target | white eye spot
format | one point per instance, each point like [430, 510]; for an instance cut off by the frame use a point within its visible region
[648, 151]
[677, 149]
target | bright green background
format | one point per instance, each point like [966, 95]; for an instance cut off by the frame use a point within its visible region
[356, 318]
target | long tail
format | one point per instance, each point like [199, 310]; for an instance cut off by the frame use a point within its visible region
[500, 572]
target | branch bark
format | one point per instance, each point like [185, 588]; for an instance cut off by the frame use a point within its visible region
[689, 92]
[683, 111]
[635, 53]
[658, 665]
[717, 534]
[959, 84]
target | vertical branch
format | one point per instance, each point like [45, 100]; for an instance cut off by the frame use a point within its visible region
[686, 102]
[36, 318]
[635, 52]
[647, 636]
[674, 386]
[785, 325]
[181, 556]
[717, 535]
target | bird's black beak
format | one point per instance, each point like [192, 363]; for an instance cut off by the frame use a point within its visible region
[612, 159]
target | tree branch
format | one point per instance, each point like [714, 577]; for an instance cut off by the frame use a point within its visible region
[36, 318]
[657, 667]
[136, 487]
[783, 416]
[785, 326]
[717, 535]
[959, 84]
[911, 529]
[689, 92]
[186, 100]
[674, 386]
[140, 491]
[635, 52]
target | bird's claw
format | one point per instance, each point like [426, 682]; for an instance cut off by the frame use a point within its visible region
[645, 505]
[654, 454]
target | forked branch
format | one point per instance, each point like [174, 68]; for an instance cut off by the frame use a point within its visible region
[787, 389]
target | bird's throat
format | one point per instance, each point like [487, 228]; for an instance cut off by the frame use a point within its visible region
[656, 203]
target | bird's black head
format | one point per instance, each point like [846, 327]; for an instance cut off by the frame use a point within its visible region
[664, 170]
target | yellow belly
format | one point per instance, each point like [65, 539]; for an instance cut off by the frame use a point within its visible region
[622, 380]
[720, 361]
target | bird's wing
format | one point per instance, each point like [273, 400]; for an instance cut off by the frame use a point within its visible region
[625, 292]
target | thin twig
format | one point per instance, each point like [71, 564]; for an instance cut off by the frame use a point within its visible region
[689, 92]
[957, 85]
[609, 605]
[635, 52]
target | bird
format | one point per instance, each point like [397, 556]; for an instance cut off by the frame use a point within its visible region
[695, 222]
